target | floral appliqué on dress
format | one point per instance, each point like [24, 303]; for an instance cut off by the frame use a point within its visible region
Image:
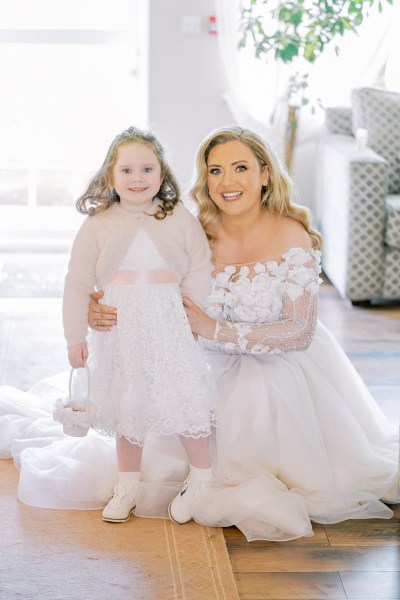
[266, 307]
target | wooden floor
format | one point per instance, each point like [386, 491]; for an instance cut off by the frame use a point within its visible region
[355, 559]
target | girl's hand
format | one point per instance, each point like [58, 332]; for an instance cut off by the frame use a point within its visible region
[100, 316]
[77, 355]
[200, 323]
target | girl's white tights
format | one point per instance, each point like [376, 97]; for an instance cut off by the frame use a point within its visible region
[130, 455]
[197, 450]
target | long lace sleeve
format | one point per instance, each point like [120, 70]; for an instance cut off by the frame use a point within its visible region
[285, 293]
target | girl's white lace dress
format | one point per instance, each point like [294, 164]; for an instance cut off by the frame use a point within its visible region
[148, 376]
[299, 437]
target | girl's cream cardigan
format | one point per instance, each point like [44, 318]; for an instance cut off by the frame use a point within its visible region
[103, 241]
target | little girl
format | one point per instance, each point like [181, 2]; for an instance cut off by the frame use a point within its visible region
[147, 377]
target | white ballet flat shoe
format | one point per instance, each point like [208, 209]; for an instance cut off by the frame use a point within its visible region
[122, 503]
[180, 508]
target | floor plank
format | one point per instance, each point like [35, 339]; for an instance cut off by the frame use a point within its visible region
[364, 533]
[303, 586]
[376, 586]
[315, 559]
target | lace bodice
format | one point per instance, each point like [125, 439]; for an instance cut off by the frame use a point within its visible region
[265, 307]
[142, 254]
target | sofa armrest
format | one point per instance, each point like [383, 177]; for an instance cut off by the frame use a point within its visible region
[352, 185]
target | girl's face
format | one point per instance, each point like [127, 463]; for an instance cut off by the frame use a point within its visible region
[235, 178]
[136, 175]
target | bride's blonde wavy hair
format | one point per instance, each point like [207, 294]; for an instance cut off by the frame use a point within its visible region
[276, 195]
[100, 194]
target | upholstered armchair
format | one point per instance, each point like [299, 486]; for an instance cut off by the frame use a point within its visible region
[358, 207]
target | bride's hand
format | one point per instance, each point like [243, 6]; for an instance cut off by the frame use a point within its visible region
[100, 316]
[200, 323]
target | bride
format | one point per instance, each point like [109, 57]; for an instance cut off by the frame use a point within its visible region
[299, 437]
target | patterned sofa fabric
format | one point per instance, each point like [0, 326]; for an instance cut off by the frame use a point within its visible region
[359, 219]
[378, 111]
[392, 233]
[339, 119]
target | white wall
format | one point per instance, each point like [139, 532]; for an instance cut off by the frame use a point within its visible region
[186, 82]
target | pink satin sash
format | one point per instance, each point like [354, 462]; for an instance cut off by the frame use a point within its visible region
[143, 277]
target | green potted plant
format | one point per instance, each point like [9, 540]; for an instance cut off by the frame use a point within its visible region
[300, 29]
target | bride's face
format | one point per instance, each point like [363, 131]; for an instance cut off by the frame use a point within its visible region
[235, 178]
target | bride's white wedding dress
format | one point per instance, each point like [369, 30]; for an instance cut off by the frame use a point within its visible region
[299, 437]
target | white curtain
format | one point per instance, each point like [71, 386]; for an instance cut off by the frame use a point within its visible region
[362, 57]
[256, 88]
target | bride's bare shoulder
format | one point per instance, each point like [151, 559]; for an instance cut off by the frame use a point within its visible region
[292, 233]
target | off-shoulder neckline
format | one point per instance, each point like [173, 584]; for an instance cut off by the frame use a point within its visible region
[280, 257]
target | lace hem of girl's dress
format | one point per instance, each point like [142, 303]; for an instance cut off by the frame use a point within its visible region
[287, 293]
[150, 435]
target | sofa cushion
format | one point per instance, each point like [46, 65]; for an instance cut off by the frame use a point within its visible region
[392, 232]
[378, 111]
[338, 119]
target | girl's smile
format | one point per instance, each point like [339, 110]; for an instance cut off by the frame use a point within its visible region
[136, 174]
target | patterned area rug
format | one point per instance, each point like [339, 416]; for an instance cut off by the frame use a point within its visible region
[66, 555]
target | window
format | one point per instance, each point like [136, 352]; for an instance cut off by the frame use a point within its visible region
[73, 75]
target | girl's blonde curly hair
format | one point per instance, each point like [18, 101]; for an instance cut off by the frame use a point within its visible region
[100, 194]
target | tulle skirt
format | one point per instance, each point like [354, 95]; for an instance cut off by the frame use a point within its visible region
[299, 439]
